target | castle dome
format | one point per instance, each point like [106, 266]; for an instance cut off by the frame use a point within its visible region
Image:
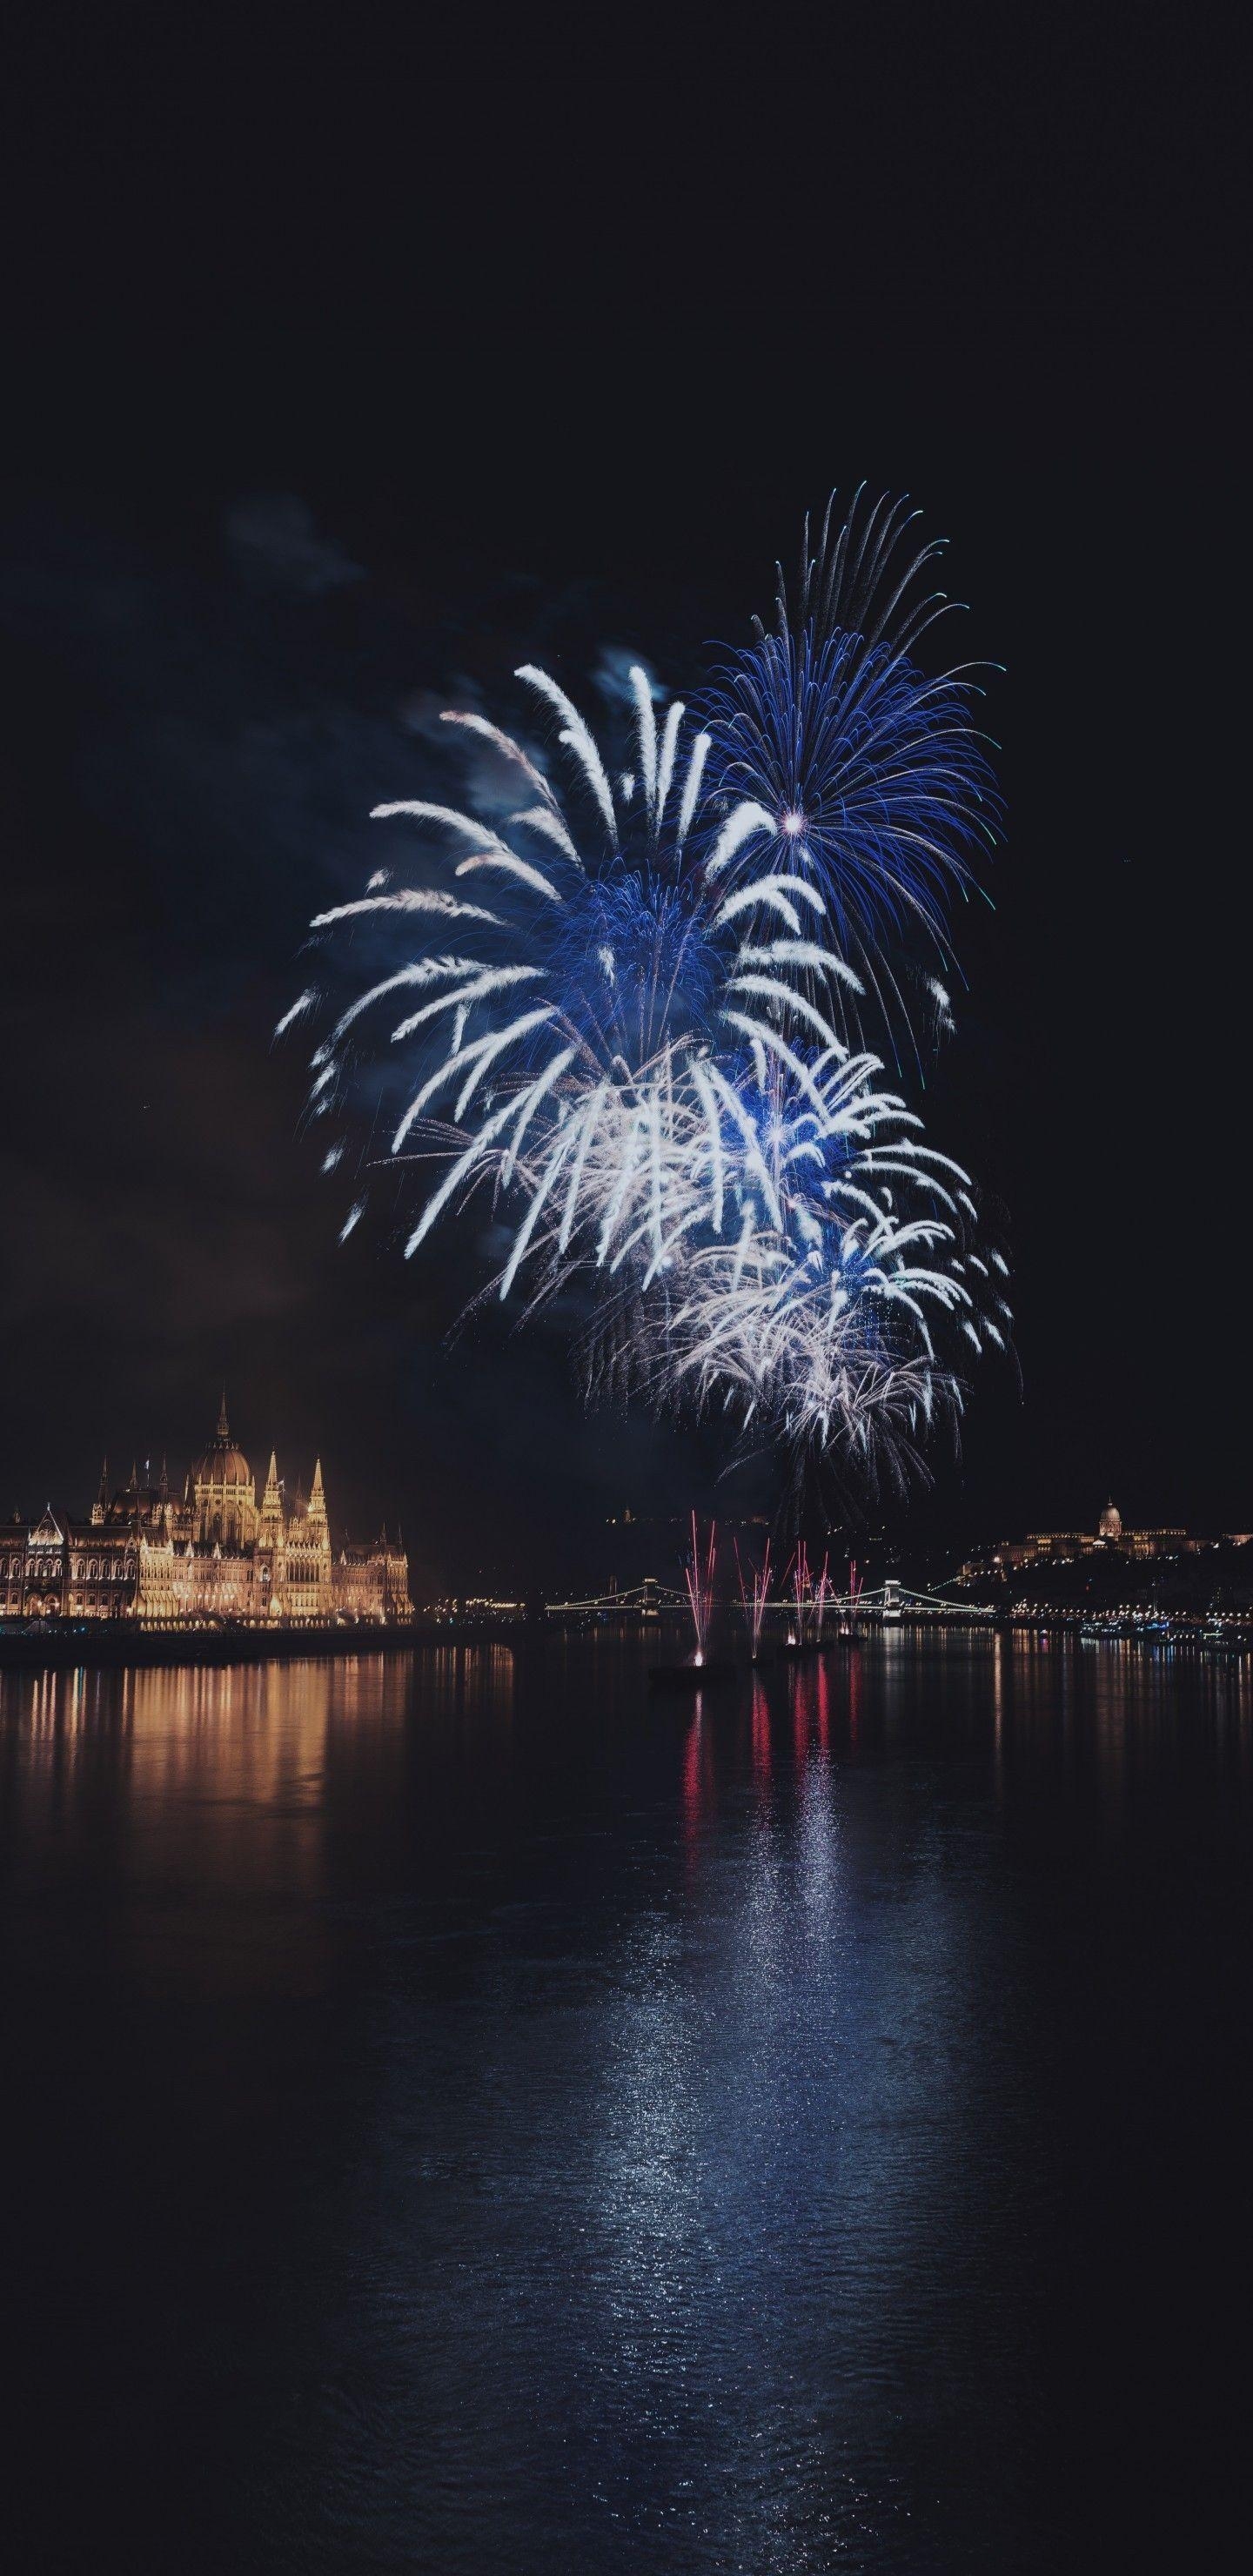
[1111, 1522]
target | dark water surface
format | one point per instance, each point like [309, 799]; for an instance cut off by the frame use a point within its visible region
[458, 2117]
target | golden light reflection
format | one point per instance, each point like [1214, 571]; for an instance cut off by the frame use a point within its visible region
[210, 1801]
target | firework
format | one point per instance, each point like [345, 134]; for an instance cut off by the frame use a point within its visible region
[625, 1020]
[828, 1320]
[579, 1049]
[872, 777]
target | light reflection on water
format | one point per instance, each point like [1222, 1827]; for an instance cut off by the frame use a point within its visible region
[473, 2116]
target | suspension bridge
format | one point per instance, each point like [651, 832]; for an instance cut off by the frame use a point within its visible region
[890, 1605]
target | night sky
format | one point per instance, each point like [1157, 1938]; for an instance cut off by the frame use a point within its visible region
[350, 370]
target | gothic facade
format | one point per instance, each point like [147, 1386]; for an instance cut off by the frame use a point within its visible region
[215, 1553]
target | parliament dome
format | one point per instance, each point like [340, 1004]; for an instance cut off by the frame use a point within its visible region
[222, 1467]
[222, 1463]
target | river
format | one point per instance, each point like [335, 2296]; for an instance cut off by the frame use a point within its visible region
[463, 2116]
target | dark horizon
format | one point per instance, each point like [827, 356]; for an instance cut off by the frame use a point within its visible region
[293, 461]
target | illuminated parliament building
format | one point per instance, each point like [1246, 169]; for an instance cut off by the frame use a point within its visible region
[215, 1553]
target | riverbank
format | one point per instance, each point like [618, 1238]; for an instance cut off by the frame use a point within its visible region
[114, 1642]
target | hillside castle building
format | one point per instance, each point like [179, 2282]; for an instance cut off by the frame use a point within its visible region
[1063, 1547]
[213, 1554]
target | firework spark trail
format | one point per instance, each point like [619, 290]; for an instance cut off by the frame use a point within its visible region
[699, 1576]
[800, 1589]
[754, 1596]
